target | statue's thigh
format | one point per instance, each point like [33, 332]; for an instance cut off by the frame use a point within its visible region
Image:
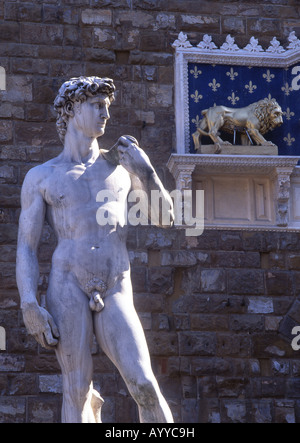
[69, 307]
[120, 334]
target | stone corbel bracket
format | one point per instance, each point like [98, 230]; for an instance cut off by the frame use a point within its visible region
[228, 53]
[274, 172]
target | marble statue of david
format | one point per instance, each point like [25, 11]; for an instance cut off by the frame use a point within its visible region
[89, 289]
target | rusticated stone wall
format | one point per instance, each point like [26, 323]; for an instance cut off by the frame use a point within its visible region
[218, 310]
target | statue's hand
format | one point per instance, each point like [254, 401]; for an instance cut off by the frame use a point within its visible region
[41, 325]
[133, 158]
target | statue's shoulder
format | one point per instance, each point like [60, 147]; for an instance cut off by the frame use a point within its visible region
[38, 174]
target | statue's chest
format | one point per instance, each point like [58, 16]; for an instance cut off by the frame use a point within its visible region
[80, 185]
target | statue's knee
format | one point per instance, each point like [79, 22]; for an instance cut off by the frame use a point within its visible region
[144, 392]
[77, 392]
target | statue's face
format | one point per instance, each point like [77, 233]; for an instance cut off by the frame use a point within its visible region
[90, 117]
[276, 117]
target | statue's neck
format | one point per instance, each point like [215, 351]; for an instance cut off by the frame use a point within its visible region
[79, 148]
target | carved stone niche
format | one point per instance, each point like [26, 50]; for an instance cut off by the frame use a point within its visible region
[242, 192]
[251, 192]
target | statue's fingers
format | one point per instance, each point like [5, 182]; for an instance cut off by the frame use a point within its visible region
[54, 328]
[124, 141]
[131, 139]
[50, 340]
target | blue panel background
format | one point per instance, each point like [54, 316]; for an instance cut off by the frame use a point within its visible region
[229, 80]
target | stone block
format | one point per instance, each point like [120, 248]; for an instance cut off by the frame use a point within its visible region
[213, 280]
[18, 88]
[260, 305]
[231, 386]
[294, 311]
[280, 367]
[247, 323]
[149, 4]
[11, 363]
[294, 261]
[160, 96]
[284, 411]
[234, 411]
[272, 322]
[244, 281]
[209, 322]
[50, 384]
[197, 343]
[12, 410]
[36, 134]
[262, 411]
[28, 12]
[150, 58]
[233, 345]
[10, 32]
[234, 25]
[138, 277]
[161, 280]
[7, 174]
[162, 343]
[279, 283]
[190, 410]
[42, 34]
[5, 131]
[96, 17]
[114, 4]
[235, 259]
[178, 258]
[45, 410]
[148, 302]
[286, 327]
[134, 19]
[272, 387]
[191, 303]
[264, 26]
[23, 384]
[104, 38]
[202, 23]
[152, 41]
[144, 117]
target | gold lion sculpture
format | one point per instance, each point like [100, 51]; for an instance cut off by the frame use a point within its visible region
[252, 122]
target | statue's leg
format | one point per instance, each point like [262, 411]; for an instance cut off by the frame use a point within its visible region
[121, 336]
[69, 306]
[258, 138]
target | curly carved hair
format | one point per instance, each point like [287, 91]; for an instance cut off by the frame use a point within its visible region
[78, 89]
[263, 111]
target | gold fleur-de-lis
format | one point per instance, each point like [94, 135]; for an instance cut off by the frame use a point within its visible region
[196, 121]
[232, 74]
[214, 85]
[233, 98]
[286, 89]
[268, 76]
[288, 114]
[196, 96]
[269, 97]
[251, 87]
[289, 139]
[195, 72]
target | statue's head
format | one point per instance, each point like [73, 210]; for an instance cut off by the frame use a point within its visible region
[76, 91]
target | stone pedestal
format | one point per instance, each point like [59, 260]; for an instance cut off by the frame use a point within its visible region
[239, 149]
